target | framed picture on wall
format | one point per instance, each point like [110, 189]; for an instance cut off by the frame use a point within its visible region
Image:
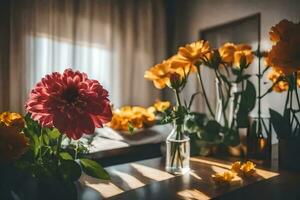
[244, 30]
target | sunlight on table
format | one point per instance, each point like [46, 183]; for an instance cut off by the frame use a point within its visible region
[131, 181]
[105, 188]
[152, 173]
[192, 194]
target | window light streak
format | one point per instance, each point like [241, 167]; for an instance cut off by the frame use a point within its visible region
[192, 194]
[193, 174]
[152, 173]
[105, 188]
[132, 182]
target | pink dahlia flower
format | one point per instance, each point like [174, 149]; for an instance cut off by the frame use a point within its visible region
[70, 102]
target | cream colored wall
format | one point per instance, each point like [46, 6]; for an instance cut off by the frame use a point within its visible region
[194, 15]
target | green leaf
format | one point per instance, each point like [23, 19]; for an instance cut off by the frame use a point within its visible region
[242, 120]
[195, 122]
[70, 170]
[231, 138]
[192, 99]
[53, 134]
[247, 103]
[242, 78]
[65, 156]
[224, 78]
[281, 124]
[33, 126]
[211, 131]
[130, 128]
[93, 169]
[45, 139]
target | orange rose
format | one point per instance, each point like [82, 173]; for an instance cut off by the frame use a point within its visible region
[285, 56]
[285, 53]
[284, 31]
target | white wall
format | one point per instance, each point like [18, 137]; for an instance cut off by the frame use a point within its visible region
[194, 15]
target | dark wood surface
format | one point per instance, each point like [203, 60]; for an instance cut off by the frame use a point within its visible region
[127, 154]
[148, 180]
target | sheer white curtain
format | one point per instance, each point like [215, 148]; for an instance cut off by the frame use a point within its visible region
[113, 41]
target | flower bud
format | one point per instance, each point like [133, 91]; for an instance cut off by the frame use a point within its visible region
[175, 80]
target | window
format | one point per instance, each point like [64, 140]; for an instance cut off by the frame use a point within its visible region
[48, 55]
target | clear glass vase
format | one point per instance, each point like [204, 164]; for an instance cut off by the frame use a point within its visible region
[178, 151]
[225, 115]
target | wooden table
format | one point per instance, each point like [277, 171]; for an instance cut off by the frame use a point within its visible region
[148, 180]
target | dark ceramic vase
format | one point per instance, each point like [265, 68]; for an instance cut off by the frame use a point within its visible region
[289, 154]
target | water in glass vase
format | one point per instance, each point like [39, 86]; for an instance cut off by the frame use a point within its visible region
[178, 153]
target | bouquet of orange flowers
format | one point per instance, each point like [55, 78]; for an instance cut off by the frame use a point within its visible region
[284, 60]
[228, 63]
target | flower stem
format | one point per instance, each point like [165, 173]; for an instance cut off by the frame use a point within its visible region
[177, 97]
[204, 92]
[59, 145]
[296, 90]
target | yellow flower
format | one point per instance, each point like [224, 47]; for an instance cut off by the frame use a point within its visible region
[161, 105]
[235, 167]
[12, 119]
[136, 116]
[223, 178]
[248, 168]
[236, 54]
[227, 52]
[182, 65]
[160, 74]
[243, 55]
[13, 143]
[194, 51]
[281, 86]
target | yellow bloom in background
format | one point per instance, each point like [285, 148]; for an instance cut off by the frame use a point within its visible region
[13, 143]
[161, 105]
[160, 74]
[223, 178]
[13, 120]
[194, 51]
[136, 116]
[248, 168]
